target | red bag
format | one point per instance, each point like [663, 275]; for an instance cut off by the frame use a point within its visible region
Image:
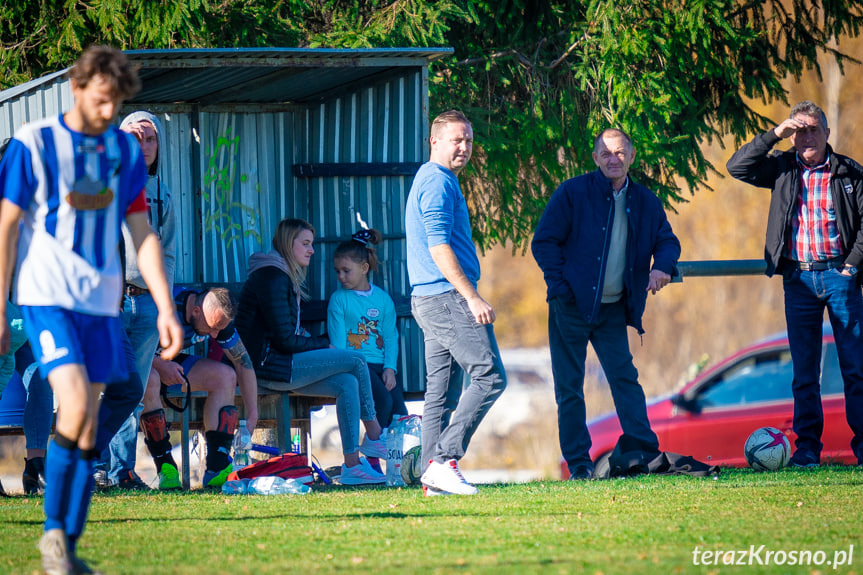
[286, 466]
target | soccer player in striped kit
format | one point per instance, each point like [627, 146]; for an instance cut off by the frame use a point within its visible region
[69, 181]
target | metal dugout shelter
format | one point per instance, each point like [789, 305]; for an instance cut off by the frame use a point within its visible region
[256, 135]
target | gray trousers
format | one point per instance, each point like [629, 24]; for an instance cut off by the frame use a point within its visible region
[454, 341]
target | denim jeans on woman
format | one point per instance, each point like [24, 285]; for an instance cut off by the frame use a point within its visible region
[328, 372]
[454, 341]
[806, 296]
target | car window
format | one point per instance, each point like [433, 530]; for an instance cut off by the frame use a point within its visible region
[759, 378]
[831, 378]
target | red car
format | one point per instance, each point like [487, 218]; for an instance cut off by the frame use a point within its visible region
[711, 416]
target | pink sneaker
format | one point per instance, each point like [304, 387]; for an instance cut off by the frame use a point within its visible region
[361, 475]
[374, 447]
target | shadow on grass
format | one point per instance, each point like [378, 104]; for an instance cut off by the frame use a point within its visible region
[733, 479]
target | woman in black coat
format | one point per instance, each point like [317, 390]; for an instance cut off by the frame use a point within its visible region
[288, 358]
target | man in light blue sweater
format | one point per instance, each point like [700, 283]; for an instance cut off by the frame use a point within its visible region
[456, 321]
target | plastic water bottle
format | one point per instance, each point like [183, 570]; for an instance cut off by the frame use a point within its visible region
[273, 485]
[242, 445]
[412, 433]
[236, 487]
[395, 453]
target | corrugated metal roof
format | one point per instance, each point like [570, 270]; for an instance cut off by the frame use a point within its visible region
[32, 85]
[255, 75]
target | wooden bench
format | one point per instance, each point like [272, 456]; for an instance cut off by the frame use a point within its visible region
[278, 410]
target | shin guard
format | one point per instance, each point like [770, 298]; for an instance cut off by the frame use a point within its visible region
[228, 419]
[155, 428]
[154, 425]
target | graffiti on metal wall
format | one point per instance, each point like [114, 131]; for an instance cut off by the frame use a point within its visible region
[223, 214]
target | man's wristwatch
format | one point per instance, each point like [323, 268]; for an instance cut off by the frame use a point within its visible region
[850, 269]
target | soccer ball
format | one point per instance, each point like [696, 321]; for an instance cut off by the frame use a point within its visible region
[412, 465]
[767, 449]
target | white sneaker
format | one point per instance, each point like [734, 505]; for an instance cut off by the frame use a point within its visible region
[55, 554]
[447, 477]
[374, 447]
[361, 475]
[432, 492]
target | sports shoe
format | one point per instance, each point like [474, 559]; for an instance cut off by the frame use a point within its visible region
[804, 458]
[374, 463]
[55, 553]
[33, 478]
[581, 472]
[432, 492]
[217, 478]
[169, 477]
[362, 474]
[100, 478]
[81, 568]
[369, 465]
[374, 447]
[447, 477]
[129, 481]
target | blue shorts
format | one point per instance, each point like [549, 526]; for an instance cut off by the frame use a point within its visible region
[61, 337]
[187, 362]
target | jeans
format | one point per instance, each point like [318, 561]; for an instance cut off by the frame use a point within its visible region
[568, 336]
[328, 372]
[17, 338]
[39, 408]
[454, 341]
[806, 296]
[120, 399]
[139, 320]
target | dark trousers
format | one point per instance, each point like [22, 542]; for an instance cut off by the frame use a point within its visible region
[568, 335]
[807, 294]
[387, 402]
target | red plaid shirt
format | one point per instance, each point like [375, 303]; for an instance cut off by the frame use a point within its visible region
[814, 235]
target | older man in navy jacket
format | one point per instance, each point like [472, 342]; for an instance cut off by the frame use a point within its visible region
[603, 243]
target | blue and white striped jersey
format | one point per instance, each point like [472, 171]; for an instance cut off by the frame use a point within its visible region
[74, 190]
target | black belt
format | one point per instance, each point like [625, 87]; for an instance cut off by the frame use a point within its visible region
[830, 264]
[134, 291]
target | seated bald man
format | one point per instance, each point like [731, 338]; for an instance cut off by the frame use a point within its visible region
[203, 314]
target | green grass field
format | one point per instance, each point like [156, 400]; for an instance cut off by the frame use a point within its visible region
[637, 525]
